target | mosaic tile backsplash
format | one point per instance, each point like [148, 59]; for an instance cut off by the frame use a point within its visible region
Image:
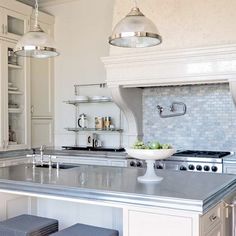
[209, 123]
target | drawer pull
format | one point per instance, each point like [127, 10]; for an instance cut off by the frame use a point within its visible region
[212, 218]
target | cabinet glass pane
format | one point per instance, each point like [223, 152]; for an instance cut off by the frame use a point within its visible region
[15, 25]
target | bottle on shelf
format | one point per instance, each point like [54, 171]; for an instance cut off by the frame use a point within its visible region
[107, 122]
[99, 122]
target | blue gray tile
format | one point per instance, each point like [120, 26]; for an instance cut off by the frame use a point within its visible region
[209, 124]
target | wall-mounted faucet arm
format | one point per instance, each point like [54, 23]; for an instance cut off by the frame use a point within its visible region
[173, 110]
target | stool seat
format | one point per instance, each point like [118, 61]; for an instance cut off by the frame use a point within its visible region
[28, 225]
[86, 230]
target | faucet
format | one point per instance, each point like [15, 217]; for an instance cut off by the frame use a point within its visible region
[42, 148]
[33, 157]
[51, 158]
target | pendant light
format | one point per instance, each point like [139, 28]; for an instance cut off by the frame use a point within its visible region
[135, 31]
[36, 43]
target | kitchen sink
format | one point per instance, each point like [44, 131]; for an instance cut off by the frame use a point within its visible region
[54, 166]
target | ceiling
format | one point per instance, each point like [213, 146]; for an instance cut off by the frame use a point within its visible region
[45, 3]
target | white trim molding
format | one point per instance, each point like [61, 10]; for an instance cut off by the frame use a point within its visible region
[45, 3]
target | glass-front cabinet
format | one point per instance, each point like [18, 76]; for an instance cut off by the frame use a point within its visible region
[15, 100]
[13, 24]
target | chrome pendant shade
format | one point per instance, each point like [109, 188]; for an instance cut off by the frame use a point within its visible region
[135, 31]
[36, 43]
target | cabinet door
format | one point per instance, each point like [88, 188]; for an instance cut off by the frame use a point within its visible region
[17, 101]
[42, 97]
[15, 25]
[152, 224]
[42, 132]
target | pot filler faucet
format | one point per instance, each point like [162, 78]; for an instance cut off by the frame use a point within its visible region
[174, 107]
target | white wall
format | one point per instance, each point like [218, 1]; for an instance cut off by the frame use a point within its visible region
[184, 23]
[82, 29]
[83, 26]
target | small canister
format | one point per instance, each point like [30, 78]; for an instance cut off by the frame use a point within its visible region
[99, 122]
[12, 59]
[107, 122]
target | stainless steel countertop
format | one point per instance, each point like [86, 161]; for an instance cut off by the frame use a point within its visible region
[230, 159]
[179, 190]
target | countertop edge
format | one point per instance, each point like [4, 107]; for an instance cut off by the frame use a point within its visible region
[197, 206]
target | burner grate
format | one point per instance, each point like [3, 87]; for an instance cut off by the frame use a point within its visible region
[205, 154]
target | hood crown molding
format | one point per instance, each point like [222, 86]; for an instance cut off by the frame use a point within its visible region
[215, 64]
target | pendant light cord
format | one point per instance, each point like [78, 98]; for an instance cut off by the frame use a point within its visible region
[135, 4]
[36, 13]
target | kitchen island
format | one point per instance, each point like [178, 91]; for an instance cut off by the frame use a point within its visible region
[183, 203]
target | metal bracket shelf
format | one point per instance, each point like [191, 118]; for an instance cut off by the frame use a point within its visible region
[93, 129]
[91, 100]
[76, 102]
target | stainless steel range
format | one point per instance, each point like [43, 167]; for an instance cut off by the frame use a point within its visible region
[192, 160]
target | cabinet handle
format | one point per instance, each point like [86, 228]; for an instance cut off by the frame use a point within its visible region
[6, 29]
[3, 143]
[32, 109]
[3, 29]
[213, 218]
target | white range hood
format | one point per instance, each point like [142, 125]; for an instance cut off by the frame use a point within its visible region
[126, 73]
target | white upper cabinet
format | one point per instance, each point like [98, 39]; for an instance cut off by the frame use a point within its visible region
[13, 24]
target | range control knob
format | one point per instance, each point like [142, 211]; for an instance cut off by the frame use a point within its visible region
[191, 167]
[139, 164]
[206, 168]
[158, 166]
[183, 168]
[214, 168]
[198, 167]
[132, 163]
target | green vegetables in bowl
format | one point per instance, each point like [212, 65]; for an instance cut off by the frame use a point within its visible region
[151, 145]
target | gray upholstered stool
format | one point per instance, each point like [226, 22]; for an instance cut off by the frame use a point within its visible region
[86, 230]
[28, 225]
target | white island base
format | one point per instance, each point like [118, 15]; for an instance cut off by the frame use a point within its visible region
[130, 220]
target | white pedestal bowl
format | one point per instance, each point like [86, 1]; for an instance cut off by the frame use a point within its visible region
[150, 156]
